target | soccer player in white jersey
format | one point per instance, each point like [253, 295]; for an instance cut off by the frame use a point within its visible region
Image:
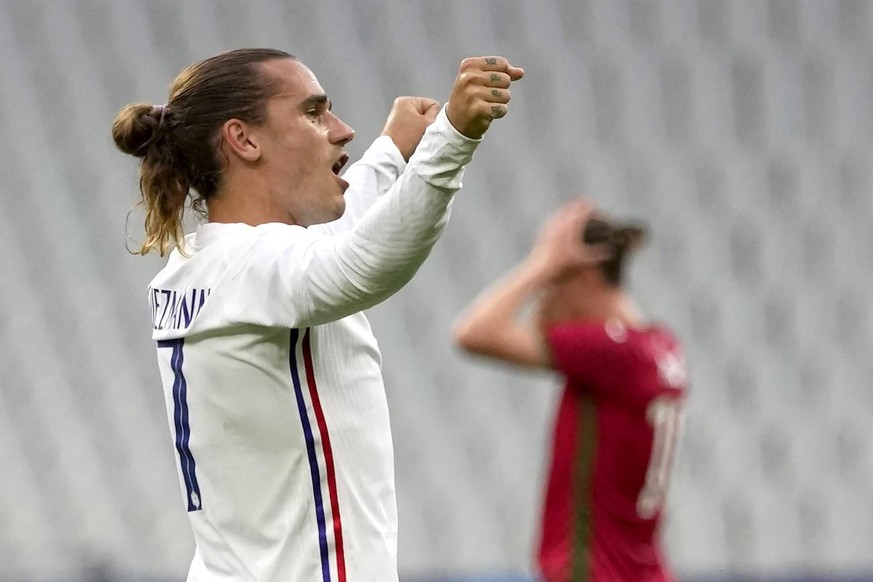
[271, 374]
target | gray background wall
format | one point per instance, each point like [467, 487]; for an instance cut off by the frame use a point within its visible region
[739, 129]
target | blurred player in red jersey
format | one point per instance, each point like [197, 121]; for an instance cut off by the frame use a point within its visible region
[620, 415]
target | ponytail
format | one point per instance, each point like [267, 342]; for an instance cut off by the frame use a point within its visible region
[141, 130]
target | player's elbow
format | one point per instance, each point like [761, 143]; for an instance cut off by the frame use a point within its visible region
[462, 335]
[468, 337]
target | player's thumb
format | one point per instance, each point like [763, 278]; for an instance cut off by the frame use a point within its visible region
[425, 104]
[433, 108]
[515, 73]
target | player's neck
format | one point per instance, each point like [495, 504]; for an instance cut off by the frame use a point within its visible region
[247, 199]
[623, 308]
[611, 303]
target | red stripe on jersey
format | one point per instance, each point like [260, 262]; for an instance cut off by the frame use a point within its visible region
[586, 445]
[328, 459]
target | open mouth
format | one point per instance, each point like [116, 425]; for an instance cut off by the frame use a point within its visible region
[340, 164]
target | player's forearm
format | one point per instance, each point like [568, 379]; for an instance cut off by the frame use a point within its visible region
[391, 241]
[376, 172]
[369, 178]
[389, 244]
[493, 324]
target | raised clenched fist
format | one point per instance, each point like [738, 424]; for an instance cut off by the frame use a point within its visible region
[408, 119]
[480, 94]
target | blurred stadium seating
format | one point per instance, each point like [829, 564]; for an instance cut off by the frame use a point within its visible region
[741, 130]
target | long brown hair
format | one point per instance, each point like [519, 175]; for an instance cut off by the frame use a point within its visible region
[621, 239]
[179, 142]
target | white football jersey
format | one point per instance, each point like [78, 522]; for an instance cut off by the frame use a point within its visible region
[272, 376]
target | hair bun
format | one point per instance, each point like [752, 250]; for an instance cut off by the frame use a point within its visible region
[136, 126]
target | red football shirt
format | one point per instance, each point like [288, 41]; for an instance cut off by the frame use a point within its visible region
[615, 433]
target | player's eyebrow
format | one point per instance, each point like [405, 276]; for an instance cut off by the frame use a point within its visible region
[316, 100]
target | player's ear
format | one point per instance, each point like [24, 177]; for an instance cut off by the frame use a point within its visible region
[241, 140]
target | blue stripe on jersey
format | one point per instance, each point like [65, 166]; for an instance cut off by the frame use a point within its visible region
[180, 419]
[313, 459]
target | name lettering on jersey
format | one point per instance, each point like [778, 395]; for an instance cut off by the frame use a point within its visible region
[174, 310]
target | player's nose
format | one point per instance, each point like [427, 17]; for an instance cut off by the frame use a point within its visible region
[340, 132]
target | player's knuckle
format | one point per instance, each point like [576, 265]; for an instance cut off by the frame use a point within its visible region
[467, 63]
[499, 80]
[495, 95]
[478, 78]
[489, 110]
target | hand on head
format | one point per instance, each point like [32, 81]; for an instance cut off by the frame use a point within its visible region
[480, 94]
[559, 249]
[407, 121]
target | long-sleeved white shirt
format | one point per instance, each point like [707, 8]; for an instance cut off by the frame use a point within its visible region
[272, 376]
